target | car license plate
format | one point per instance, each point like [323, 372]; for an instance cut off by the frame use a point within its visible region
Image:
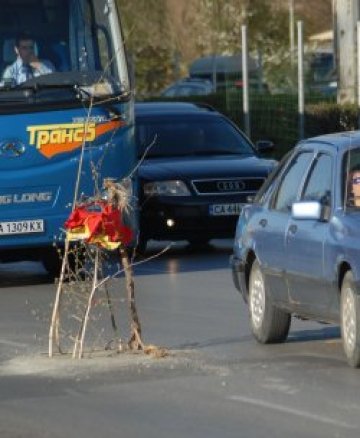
[225, 209]
[21, 227]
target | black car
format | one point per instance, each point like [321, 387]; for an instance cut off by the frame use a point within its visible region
[197, 172]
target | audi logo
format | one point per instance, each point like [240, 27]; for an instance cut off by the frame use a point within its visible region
[230, 186]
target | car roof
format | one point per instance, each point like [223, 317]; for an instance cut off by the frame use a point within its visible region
[190, 81]
[172, 108]
[193, 81]
[190, 85]
[338, 140]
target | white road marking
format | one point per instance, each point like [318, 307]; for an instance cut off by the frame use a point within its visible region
[292, 411]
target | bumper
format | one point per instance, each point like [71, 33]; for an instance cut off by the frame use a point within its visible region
[176, 219]
[239, 276]
[30, 253]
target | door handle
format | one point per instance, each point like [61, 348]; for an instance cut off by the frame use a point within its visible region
[263, 223]
[293, 229]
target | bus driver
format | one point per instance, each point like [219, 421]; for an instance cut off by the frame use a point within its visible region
[27, 64]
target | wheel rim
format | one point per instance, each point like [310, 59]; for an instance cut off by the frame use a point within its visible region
[349, 320]
[257, 299]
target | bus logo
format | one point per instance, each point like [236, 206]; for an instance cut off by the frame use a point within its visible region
[12, 148]
[51, 140]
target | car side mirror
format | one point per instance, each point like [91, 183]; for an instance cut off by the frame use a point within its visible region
[264, 146]
[311, 210]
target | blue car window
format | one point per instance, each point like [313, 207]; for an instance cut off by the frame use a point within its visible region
[318, 185]
[289, 186]
[266, 189]
[351, 181]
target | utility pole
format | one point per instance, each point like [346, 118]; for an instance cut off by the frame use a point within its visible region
[300, 28]
[347, 15]
[245, 79]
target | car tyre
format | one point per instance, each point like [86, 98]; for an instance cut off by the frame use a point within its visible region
[350, 320]
[268, 323]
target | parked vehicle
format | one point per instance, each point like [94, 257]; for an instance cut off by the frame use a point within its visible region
[297, 247]
[322, 73]
[226, 72]
[188, 87]
[197, 172]
[82, 112]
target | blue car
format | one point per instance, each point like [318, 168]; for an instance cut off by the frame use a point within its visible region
[297, 246]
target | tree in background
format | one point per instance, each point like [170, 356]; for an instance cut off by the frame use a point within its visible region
[147, 39]
[165, 36]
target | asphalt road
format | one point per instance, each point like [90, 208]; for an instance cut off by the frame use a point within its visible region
[215, 382]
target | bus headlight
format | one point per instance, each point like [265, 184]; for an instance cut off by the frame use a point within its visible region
[166, 188]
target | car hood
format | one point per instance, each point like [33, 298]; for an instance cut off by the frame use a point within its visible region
[223, 166]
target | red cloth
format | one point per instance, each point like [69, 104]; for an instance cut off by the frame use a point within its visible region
[99, 219]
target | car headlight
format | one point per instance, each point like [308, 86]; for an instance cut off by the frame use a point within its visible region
[166, 188]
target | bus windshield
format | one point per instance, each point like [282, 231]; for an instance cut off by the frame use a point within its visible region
[60, 49]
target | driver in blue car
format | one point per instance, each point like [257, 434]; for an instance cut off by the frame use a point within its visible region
[27, 64]
[354, 187]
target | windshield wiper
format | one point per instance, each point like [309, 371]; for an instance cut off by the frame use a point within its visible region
[97, 91]
[82, 86]
[36, 87]
[26, 92]
[14, 95]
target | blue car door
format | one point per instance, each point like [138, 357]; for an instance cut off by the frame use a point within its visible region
[270, 238]
[272, 225]
[305, 242]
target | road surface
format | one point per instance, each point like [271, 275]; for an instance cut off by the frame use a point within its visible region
[216, 382]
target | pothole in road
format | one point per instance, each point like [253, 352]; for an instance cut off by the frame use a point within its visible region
[62, 366]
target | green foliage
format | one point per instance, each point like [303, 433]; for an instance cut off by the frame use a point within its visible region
[153, 69]
[155, 33]
[165, 36]
[145, 29]
[325, 118]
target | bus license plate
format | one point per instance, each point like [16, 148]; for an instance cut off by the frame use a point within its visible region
[225, 209]
[22, 227]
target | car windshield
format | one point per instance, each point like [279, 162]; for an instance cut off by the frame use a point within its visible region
[351, 179]
[49, 46]
[182, 136]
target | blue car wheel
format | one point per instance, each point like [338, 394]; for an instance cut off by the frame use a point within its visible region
[350, 320]
[268, 323]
